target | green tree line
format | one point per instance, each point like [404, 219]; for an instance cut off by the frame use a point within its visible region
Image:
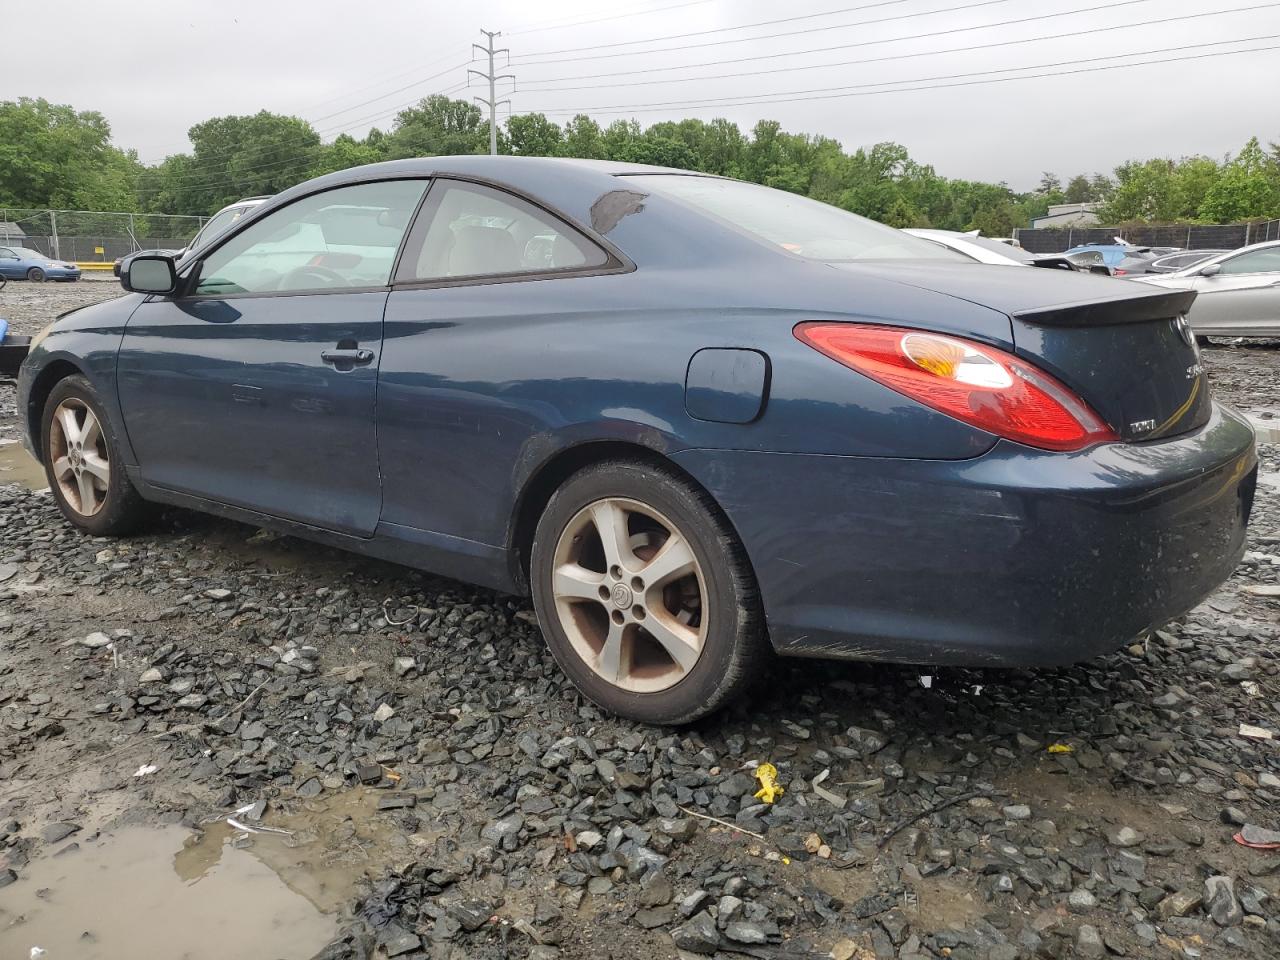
[54, 156]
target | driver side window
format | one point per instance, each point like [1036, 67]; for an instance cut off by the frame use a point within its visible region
[341, 239]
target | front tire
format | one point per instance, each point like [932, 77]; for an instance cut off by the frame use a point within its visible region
[35, 275]
[83, 462]
[645, 595]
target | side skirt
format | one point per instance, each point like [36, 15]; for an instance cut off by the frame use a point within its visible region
[466, 560]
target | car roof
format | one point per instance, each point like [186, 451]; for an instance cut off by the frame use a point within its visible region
[570, 186]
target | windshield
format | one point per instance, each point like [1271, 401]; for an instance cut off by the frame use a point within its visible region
[219, 225]
[797, 224]
[26, 253]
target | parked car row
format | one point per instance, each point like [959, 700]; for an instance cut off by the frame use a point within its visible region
[1238, 291]
[992, 250]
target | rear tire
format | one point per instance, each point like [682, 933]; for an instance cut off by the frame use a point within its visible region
[35, 275]
[84, 464]
[665, 624]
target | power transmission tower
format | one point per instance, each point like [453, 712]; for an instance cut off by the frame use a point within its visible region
[493, 79]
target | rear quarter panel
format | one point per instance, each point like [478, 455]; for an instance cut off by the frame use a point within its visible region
[480, 386]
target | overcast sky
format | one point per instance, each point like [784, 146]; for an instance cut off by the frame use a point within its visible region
[155, 67]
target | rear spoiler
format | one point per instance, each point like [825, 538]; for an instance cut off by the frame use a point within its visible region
[1156, 305]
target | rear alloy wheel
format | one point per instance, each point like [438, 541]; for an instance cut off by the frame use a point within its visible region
[645, 597]
[82, 462]
[35, 275]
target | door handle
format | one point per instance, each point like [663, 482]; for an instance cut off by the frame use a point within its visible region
[347, 355]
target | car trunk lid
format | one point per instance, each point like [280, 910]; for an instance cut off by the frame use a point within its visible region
[1124, 347]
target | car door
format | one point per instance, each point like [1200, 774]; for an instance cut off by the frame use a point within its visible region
[487, 289]
[10, 265]
[1242, 298]
[256, 386]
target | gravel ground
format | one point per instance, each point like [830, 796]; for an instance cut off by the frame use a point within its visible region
[461, 801]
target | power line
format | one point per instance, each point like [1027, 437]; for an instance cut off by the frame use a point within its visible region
[972, 5]
[392, 111]
[391, 93]
[616, 16]
[1158, 21]
[860, 91]
[201, 181]
[744, 26]
[456, 51]
[332, 130]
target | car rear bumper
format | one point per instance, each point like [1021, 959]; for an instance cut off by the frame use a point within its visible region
[1015, 558]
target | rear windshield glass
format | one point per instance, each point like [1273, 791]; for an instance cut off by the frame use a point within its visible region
[797, 224]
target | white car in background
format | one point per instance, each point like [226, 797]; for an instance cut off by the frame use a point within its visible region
[991, 250]
[1237, 293]
[214, 227]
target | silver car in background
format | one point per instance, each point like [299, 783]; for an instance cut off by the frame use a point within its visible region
[1182, 260]
[1238, 293]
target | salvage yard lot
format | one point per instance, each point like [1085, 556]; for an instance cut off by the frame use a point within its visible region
[448, 794]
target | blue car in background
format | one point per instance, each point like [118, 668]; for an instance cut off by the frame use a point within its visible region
[23, 263]
[701, 421]
[1111, 253]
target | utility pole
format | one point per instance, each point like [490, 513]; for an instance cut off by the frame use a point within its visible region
[493, 79]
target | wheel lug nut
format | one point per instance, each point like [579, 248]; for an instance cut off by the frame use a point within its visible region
[604, 594]
[638, 612]
[616, 572]
[618, 617]
[637, 585]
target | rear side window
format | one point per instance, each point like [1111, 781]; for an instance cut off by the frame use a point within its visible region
[469, 230]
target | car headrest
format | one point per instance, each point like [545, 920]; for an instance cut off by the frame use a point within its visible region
[483, 250]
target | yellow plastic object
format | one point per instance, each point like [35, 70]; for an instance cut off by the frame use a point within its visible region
[770, 790]
[1061, 748]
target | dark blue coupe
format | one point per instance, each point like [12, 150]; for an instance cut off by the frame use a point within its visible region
[701, 421]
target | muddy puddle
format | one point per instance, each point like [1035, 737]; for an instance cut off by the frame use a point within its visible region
[143, 892]
[18, 466]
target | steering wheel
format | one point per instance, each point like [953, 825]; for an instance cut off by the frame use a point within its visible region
[296, 279]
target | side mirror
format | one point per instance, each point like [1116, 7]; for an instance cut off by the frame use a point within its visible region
[149, 273]
[1212, 270]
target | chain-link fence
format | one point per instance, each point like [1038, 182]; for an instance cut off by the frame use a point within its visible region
[1189, 236]
[87, 236]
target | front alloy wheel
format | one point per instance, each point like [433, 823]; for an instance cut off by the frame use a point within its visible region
[81, 460]
[645, 595]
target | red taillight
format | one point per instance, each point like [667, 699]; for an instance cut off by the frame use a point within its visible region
[982, 386]
[1119, 273]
